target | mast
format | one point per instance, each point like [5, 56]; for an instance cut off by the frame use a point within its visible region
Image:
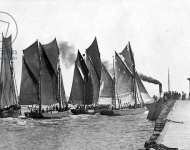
[13, 79]
[84, 87]
[134, 74]
[115, 89]
[114, 96]
[39, 81]
[134, 86]
[168, 80]
[60, 100]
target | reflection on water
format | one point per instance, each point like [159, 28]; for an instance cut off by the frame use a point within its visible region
[83, 132]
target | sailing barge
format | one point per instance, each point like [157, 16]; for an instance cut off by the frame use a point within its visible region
[81, 91]
[9, 106]
[41, 82]
[126, 91]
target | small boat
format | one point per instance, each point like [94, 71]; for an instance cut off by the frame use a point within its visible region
[9, 106]
[110, 112]
[41, 82]
[11, 111]
[83, 111]
[47, 115]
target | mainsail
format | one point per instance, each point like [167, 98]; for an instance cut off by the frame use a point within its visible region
[142, 94]
[95, 80]
[94, 55]
[49, 74]
[107, 90]
[52, 53]
[77, 89]
[40, 75]
[82, 88]
[7, 85]
[30, 75]
[93, 62]
[124, 82]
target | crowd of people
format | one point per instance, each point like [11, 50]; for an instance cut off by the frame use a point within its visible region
[49, 108]
[174, 95]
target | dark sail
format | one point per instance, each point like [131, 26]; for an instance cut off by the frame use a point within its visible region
[89, 91]
[7, 86]
[95, 81]
[82, 66]
[52, 53]
[77, 89]
[94, 55]
[106, 95]
[123, 81]
[29, 86]
[39, 75]
[48, 78]
[30, 75]
[127, 57]
[81, 79]
[32, 59]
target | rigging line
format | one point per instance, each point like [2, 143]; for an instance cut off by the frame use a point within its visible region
[169, 120]
[15, 87]
[140, 93]
[13, 90]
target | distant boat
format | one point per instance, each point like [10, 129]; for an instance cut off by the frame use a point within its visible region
[41, 82]
[9, 106]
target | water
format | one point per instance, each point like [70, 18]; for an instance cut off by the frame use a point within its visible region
[83, 132]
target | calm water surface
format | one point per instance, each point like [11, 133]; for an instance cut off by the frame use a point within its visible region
[83, 132]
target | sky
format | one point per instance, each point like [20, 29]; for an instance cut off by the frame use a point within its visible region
[159, 32]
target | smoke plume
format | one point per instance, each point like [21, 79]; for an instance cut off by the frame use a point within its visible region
[149, 79]
[67, 53]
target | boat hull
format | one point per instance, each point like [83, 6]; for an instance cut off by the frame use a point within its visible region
[47, 115]
[122, 112]
[82, 111]
[14, 113]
